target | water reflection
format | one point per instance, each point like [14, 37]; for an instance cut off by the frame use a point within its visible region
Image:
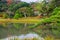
[10, 29]
[29, 36]
[19, 30]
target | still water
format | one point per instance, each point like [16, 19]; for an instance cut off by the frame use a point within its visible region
[29, 36]
[22, 31]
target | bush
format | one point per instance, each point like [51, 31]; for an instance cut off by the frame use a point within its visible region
[18, 14]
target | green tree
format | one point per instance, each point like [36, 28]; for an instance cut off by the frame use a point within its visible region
[52, 23]
[14, 6]
[18, 14]
[27, 11]
[23, 10]
[57, 3]
[37, 7]
[3, 6]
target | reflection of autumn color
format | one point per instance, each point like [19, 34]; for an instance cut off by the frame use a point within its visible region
[9, 1]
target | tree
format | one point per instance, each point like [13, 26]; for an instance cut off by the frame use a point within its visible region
[57, 3]
[52, 23]
[18, 14]
[3, 6]
[37, 8]
[14, 7]
[47, 7]
[27, 11]
[9, 2]
[23, 10]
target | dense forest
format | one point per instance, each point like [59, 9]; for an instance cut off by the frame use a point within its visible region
[11, 9]
[47, 11]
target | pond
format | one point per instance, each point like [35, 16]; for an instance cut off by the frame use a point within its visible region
[29, 36]
[21, 30]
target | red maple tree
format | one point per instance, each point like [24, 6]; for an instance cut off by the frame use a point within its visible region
[9, 2]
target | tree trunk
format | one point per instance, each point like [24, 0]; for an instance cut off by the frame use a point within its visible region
[25, 15]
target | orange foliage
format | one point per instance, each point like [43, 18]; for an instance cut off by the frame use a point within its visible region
[9, 2]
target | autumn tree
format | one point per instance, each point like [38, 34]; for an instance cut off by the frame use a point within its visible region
[9, 2]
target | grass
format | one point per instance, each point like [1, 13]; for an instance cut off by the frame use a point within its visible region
[21, 20]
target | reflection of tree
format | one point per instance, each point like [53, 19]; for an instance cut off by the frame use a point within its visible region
[13, 29]
[42, 30]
